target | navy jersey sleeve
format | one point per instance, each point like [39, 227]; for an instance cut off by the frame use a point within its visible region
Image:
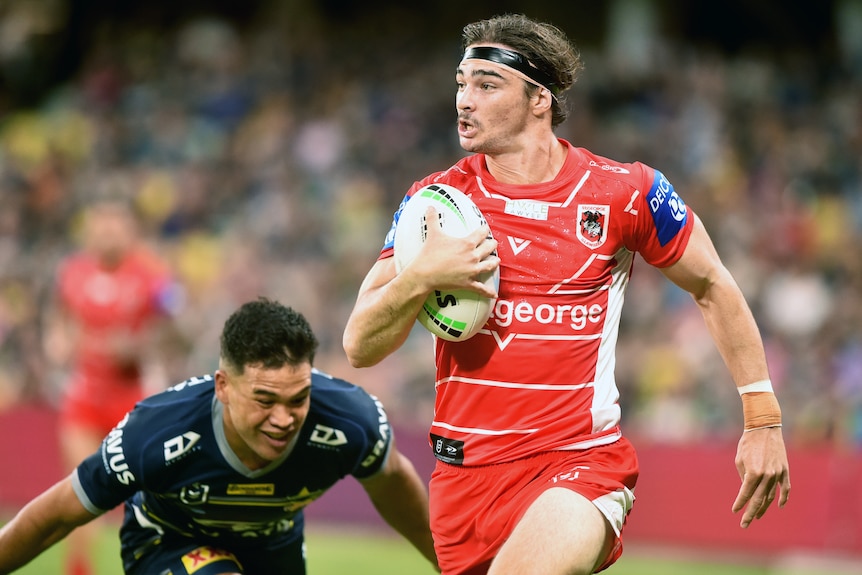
[347, 415]
[111, 475]
[134, 456]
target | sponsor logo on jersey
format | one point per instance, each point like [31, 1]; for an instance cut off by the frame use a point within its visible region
[518, 244]
[202, 556]
[180, 445]
[609, 168]
[669, 212]
[593, 224]
[251, 489]
[331, 437]
[528, 209]
[572, 475]
[390, 236]
[448, 450]
[195, 494]
[577, 317]
[113, 456]
[384, 435]
[190, 382]
[301, 499]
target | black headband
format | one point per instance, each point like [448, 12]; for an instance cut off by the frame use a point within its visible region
[515, 61]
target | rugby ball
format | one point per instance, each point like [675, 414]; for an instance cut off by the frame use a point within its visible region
[454, 315]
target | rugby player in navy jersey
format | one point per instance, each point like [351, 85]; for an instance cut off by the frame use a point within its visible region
[214, 473]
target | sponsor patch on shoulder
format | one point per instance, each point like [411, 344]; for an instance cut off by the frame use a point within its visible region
[669, 212]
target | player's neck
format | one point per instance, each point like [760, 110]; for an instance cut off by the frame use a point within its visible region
[532, 164]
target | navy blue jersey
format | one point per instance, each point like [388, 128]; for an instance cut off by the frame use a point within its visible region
[170, 462]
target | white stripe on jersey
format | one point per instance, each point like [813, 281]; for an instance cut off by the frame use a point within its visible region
[567, 202]
[511, 385]
[480, 431]
[556, 289]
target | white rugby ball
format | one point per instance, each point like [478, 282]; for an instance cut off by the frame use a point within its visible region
[454, 315]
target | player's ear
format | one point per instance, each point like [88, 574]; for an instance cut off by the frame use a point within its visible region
[542, 100]
[221, 383]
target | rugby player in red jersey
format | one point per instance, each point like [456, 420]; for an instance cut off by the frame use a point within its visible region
[534, 474]
[112, 305]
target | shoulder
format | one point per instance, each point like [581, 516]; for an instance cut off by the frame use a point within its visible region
[137, 452]
[145, 261]
[157, 416]
[459, 175]
[635, 174]
[75, 265]
[347, 420]
[340, 398]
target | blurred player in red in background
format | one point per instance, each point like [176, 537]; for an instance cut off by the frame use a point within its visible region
[109, 317]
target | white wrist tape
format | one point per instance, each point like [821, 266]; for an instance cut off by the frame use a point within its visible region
[761, 386]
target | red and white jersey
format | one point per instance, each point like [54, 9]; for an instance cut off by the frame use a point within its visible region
[110, 303]
[540, 375]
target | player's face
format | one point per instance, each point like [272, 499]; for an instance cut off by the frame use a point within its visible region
[492, 107]
[110, 232]
[264, 409]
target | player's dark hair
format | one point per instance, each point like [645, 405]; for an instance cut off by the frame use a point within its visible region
[544, 45]
[268, 334]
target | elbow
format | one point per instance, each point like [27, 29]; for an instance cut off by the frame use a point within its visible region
[357, 355]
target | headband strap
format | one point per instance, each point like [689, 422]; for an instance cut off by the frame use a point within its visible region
[515, 61]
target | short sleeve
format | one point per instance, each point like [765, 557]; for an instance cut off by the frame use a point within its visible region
[664, 221]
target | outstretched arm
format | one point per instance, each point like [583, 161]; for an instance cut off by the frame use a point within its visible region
[40, 524]
[761, 458]
[400, 496]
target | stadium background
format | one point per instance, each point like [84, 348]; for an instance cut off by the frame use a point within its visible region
[266, 144]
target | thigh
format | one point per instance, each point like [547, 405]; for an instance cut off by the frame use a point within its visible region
[573, 514]
[475, 512]
[561, 533]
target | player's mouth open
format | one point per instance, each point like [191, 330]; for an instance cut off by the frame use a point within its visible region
[466, 128]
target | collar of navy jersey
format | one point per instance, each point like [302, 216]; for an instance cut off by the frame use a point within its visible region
[513, 60]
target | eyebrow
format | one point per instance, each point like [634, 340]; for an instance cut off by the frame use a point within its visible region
[480, 72]
[265, 392]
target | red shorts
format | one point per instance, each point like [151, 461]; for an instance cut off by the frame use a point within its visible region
[98, 408]
[475, 509]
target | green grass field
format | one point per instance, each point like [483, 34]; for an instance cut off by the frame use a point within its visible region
[342, 552]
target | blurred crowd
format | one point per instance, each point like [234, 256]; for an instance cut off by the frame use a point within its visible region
[269, 162]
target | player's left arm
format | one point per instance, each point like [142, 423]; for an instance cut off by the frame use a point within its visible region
[400, 497]
[761, 458]
[43, 522]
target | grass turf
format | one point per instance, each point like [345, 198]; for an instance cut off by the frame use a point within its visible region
[336, 551]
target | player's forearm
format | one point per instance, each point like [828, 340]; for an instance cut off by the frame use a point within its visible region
[22, 541]
[381, 321]
[44, 521]
[735, 332]
[401, 499]
[31, 532]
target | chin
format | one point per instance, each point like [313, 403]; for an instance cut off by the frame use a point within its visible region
[470, 145]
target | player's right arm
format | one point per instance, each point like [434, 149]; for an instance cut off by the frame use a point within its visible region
[385, 309]
[388, 303]
[40, 524]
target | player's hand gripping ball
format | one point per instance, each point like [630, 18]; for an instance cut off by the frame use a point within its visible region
[458, 314]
